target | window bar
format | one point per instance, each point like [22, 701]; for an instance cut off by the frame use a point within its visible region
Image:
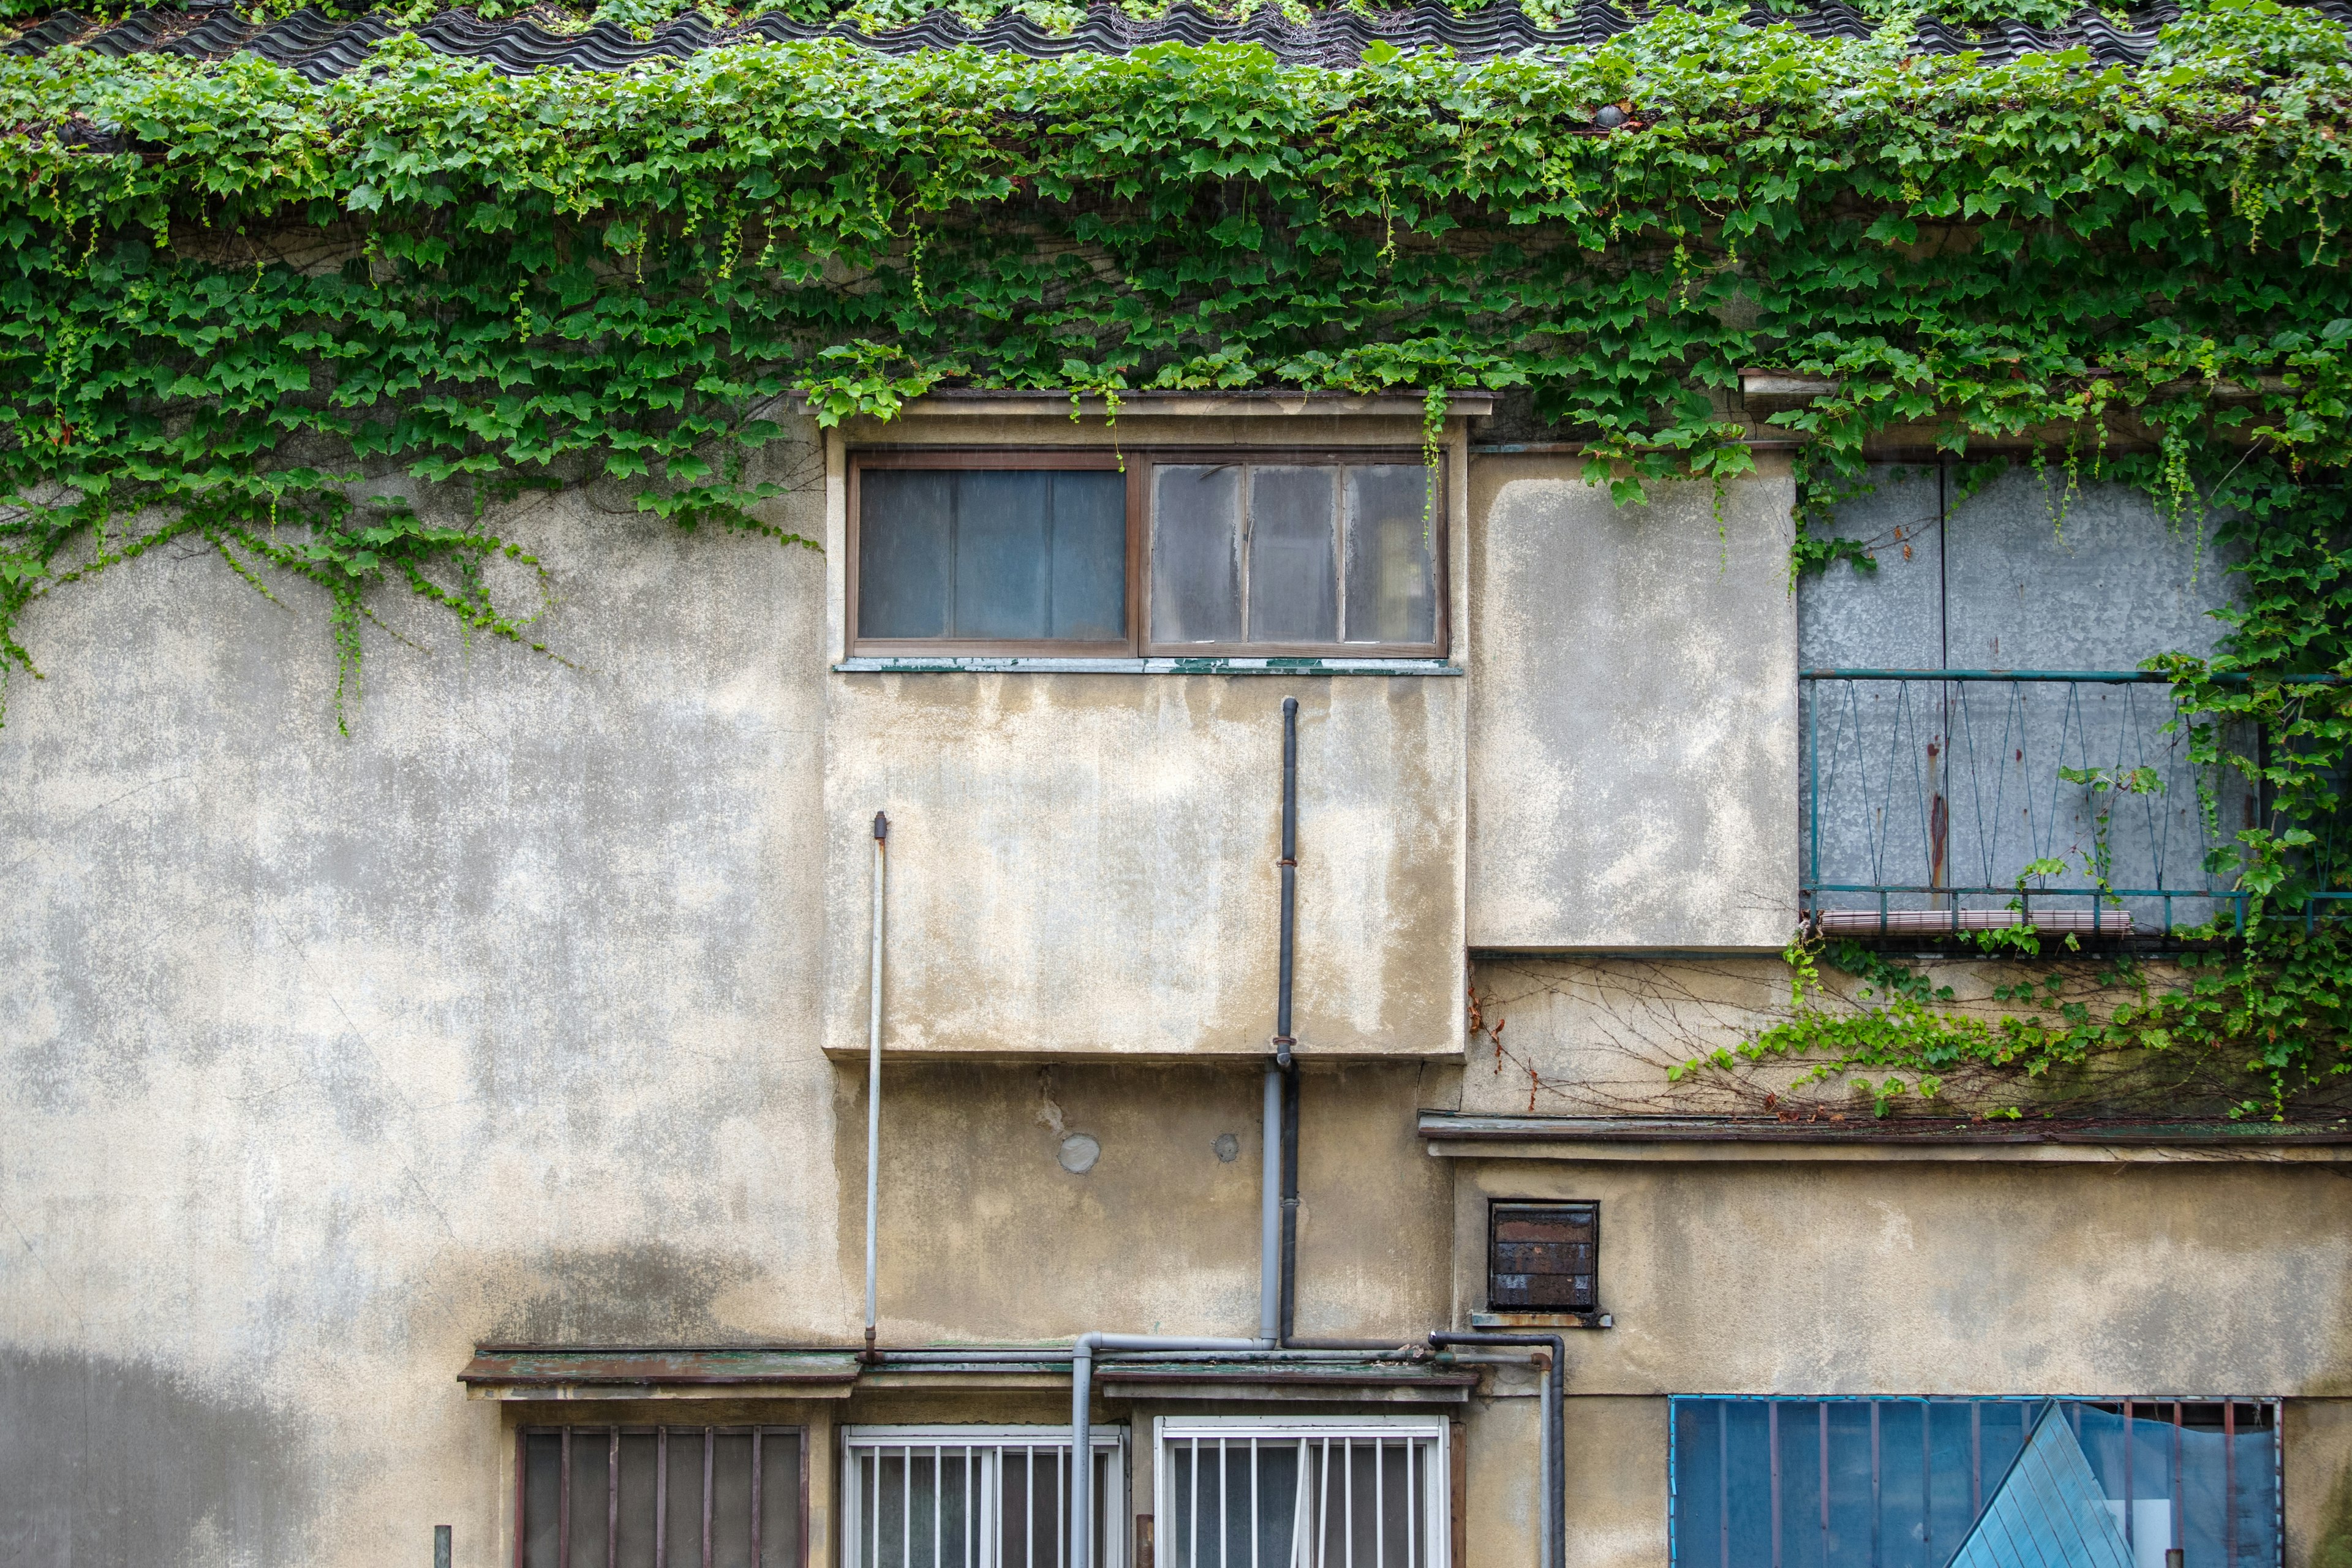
[1823, 1410]
[563, 1504]
[1772, 1439]
[1875, 1510]
[1323, 1511]
[2127, 1468]
[970, 1555]
[2230, 1481]
[1061, 1505]
[709, 1464]
[2177, 1497]
[1976, 1460]
[1348, 1502]
[613, 1502]
[1253, 1503]
[1302, 1550]
[661, 1497]
[1029, 1506]
[1380, 1518]
[1410, 1494]
[615, 1562]
[1193, 1517]
[1224, 1506]
[1722, 1479]
[1927, 1481]
[939, 1510]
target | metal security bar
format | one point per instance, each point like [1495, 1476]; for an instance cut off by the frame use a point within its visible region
[1939, 800]
[974, 1497]
[1360, 1493]
[660, 1496]
[1900, 1483]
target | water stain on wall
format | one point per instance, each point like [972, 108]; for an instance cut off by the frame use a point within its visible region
[111, 1461]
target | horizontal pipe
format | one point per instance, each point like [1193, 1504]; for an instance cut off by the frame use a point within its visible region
[2087, 677]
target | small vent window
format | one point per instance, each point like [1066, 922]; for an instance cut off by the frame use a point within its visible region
[1544, 1257]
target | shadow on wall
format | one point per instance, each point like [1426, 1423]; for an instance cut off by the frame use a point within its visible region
[107, 1461]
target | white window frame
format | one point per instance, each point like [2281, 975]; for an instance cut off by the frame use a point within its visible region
[993, 1446]
[1435, 1517]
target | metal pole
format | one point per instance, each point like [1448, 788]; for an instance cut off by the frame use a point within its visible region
[873, 1081]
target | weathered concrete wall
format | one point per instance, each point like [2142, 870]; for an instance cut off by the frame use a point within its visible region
[990, 1235]
[1633, 730]
[1083, 864]
[320, 1059]
[1789, 1276]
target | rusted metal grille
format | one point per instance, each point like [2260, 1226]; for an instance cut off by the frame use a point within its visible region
[1544, 1257]
[973, 1497]
[660, 1496]
[1332, 1492]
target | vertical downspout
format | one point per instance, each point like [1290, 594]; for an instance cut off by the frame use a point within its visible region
[1553, 1461]
[1285, 1061]
[874, 1080]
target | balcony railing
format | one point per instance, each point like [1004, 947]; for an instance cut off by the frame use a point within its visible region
[1950, 801]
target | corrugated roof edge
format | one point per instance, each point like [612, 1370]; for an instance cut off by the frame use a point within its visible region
[321, 48]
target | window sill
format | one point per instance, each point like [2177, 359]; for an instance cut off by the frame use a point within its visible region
[1541, 1321]
[907, 664]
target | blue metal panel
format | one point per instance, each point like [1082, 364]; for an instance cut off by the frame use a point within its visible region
[2049, 1511]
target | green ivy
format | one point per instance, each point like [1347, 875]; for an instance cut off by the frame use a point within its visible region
[325, 330]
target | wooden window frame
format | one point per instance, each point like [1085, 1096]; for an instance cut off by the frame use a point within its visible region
[1138, 464]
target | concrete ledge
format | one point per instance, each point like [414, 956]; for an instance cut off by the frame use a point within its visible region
[919, 665]
[1451, 1134]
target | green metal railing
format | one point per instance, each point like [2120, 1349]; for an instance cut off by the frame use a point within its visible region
[1979, 797]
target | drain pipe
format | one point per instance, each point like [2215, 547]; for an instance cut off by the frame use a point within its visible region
[873, 1083]
[1553, 1465]
[1279, 1249]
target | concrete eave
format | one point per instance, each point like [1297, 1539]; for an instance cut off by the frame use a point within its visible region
[564, 1372]
[994, 405]
[1459, 1135]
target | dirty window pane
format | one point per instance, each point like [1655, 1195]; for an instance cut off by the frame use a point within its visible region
[1391, 528]
[730, 1502]
[682, 1526]
[591, 1496]
[779, 1500]
[1283, 1501]
[904, 521]
[991, 554]
[1196, 573]
[542, 1482]
[1001, 542]
[1087, 570]
[635, 1547]
[1294, 592]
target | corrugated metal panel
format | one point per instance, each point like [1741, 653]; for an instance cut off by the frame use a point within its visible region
[2049, 1512]
[320, 48]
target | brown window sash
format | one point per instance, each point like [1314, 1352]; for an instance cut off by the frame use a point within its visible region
[1138, 464]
